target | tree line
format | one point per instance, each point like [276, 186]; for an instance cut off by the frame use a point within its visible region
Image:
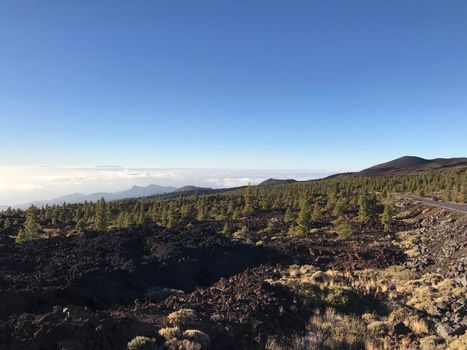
[299, 205]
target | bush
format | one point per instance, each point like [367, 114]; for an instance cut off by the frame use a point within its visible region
[379, 327]
[142, 343]
[330, 330]
[197, 337]
[170, 333]
[182, 318]
[338, 298]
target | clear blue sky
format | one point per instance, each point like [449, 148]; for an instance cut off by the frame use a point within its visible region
[336, 85]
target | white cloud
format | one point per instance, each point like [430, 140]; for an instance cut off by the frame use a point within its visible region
[18, 185]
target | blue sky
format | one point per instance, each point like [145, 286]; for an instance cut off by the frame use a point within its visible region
[319, 85]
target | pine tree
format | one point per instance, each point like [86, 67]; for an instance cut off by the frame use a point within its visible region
[202, 209]
[339, 207]
[288, 217]
[7, 223]
[367, 207]
[331, 203]
[231, 207]
[142, 218]
[265, 203]
[387, 217]
[278, 203]
[123, 219]
[316, 215]
[343, 228]
[304, 218]
[80, 225]
[248, 207]
[31, 227]
[462, 196]
[21, 236]
[101, 219]
[186, 210]
[170, 217]
[448, 194]
[227, 230]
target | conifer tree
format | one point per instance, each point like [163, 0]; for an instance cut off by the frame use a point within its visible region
[170, 217]
[339, 207]
[304, 218]
[248, 207]
[278, 203]
[80, 225]
[236, 215]
[316, 215]
[331, 202]
[202, 209]
[31, 227]
[288, 217]
[101, 219]
[343, 228]
[387, 217]
[227, 230]
[463, 195]
[123, 219]
[7, 223]
[186, 210]
[231, 207]
[367, 210]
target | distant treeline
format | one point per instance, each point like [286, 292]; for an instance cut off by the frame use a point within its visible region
[300, 203]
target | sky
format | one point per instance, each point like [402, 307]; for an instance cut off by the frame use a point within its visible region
[292, 86]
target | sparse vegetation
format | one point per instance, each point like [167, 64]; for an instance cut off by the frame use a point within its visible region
[356, 291]
[142, 343]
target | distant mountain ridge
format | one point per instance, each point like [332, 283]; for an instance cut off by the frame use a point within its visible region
[400, 166]
[197, 189]
[135, 191]
[412, 164]
[271, 182]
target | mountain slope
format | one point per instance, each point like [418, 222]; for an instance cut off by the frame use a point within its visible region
[411, 164]
[271, 181]
[189, 189]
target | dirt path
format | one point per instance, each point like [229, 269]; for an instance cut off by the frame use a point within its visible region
[459, 208]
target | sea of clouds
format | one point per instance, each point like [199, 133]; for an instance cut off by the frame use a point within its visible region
[25, 184]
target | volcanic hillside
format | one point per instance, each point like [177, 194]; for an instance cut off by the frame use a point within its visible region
[410, 164]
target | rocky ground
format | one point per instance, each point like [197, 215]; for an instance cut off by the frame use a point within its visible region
[196, 289]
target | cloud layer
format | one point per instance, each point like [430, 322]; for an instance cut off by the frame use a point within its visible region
[23, 184]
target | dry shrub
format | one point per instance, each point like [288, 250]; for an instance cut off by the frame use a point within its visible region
[170, 333]
[431, 342]
[318, 277]
[368, 317]
[417, 325]
[397, 315]
[398, 273]
[379, 327]
[307, 269]
[294, 270]
[182, 317]
[330, 330]
[142, 343]
[459, 343]
[197, 337]
[445, 285]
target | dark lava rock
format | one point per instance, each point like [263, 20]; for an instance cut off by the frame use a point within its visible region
[401, 329]
[98, 270]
